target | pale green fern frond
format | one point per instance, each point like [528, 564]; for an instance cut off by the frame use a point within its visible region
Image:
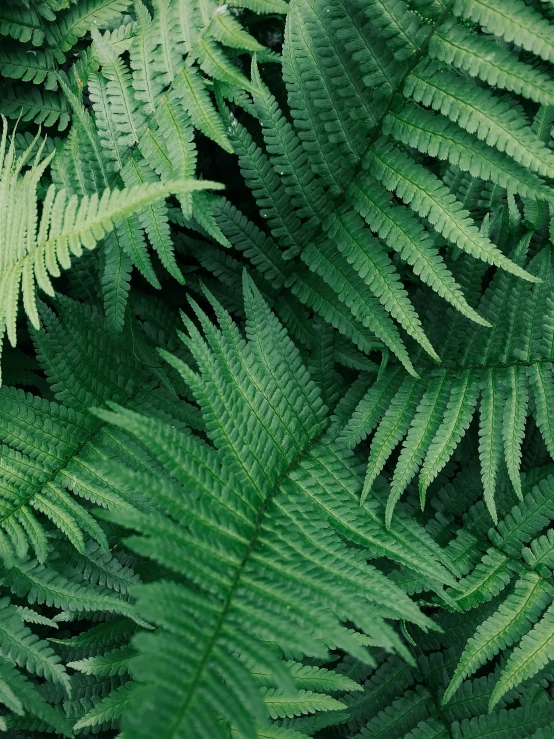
[34, 251]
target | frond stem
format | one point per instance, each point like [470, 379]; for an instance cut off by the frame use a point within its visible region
[174, 728]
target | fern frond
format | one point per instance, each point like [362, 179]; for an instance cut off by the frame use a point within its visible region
[401, 716]
[108, 709]
[80, 17]
[29, 66]
[49, 448]
[30, 104]
[19, 645]
[525, 520]
[490, 577]
[496, 380]
[281, 704]
[426, 194]
[114, 662]
[22, 697]
[454, 43]
[478, 111]
[284, 463]
[137, 173]
[229, 32]
[435, 135]
[21, 23]
[45, 586]
[116, 281]
[67, 225]
[503, 628]
[127, 118]
[191, 89]
[515, 23]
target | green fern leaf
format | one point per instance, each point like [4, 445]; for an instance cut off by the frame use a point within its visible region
[515, 23]
[292, 435]
[108, 709]
[191, 89]
[431, 199]
[19, 645]
[503, 628]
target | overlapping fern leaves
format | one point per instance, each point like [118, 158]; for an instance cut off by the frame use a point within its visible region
[55, 554]
[489, 370]
[276, 489]
[34, 251]
[288, 472]
[324, 509]
[371, 104]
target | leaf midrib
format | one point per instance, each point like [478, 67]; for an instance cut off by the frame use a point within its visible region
[377, 131]
[174, 729]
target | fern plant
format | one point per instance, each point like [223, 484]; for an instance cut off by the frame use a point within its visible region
[280, 494]
[277, 403]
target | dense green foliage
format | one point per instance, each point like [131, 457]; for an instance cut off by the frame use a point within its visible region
[277, 341]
